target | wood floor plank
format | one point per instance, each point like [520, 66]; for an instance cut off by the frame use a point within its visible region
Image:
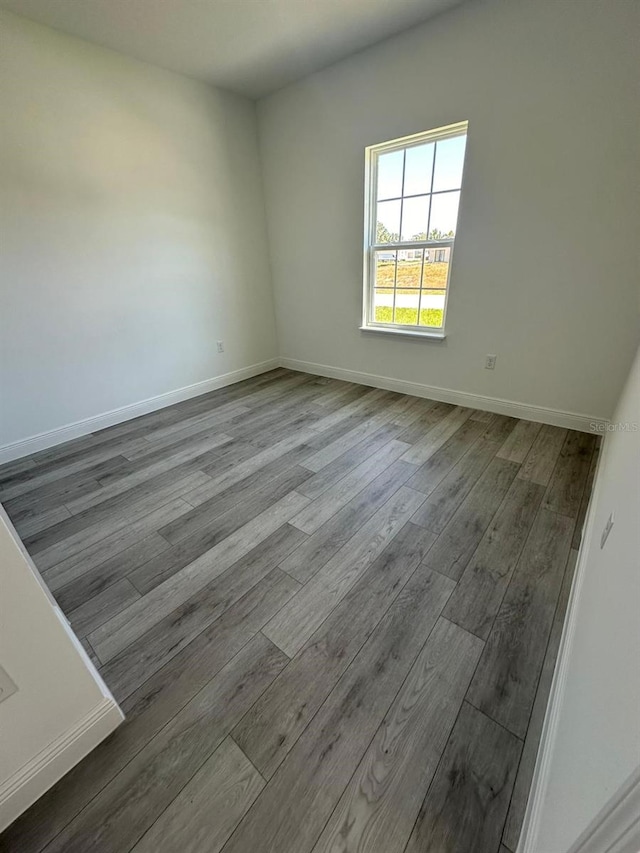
[295, 623]
[149, 473]
[340, 393]
[164, 640]
[205, 535]
[466, 805]
[444, 500]
[519, 441]
[339, 467]
[482, 416]
[522, 785]
[318, 549]
[397, 415]
[570, 475]
[209, 807]
[96, 580]
[103, 523]
[116, 634]
[167, 436]
[437, 436]
[94, 555]
[317, 770]
[220, 482]
[499, 428]
[116, 819]
[31, 524]
[479, 593]
[379, 807]
[505, 682]
[431, 415]
[286, 427]
[56, 493]
[258, 426]
[320, 510]
[284, 470]
[38, 476]
[269, 731]
[137, 499]
[102, 606]
[456, 544]
[541, 459]
[435, 469]
[8, 469]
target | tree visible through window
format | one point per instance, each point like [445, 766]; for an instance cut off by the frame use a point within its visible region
[411, 212]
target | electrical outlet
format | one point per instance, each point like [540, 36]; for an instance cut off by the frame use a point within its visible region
[220, 345]
[490, 362]
[606, 531]
[7, 687]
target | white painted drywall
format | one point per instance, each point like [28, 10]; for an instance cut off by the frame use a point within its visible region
[596, 743]
[45, 727]
[132, 229]
[545, 272]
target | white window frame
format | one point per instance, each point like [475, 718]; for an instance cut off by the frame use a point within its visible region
[372, 153]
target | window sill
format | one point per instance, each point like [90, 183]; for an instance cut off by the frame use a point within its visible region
[435, 335]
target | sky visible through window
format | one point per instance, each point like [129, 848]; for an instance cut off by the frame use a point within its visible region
[412, 213]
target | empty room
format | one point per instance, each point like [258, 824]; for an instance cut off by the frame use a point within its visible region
[319, 426]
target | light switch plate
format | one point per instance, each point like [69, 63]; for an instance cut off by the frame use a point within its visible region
[7, 687]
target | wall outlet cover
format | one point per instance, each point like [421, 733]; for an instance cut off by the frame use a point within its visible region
[490, 362]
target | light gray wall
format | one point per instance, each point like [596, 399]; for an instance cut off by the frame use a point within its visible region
[597, 738]
[545, 272]
[133, 232]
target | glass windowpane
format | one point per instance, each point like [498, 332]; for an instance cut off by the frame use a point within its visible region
[409, 269]
[388, 222]
[385, 269]
[415, 218]
[444, 215]
[406, 311]
[418, 169]
[449, 163]
[436, 267]
[432, 308]
[390, 175]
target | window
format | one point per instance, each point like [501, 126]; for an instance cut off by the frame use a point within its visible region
[411, 212]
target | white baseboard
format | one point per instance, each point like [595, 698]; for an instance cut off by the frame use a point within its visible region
[27, 446]
[540, 414]
[30, 782]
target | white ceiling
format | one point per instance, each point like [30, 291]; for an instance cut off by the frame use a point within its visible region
[249, 46]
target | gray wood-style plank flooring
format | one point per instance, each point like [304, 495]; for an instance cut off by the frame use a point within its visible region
[331, 615]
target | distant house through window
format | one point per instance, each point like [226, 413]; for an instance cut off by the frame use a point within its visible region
[413, 190]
